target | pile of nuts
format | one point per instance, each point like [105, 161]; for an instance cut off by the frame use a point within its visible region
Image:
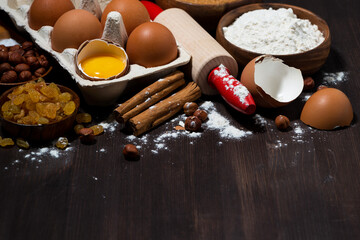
[195, 117]
[21, 63]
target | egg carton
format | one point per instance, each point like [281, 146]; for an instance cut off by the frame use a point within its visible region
[100, 93]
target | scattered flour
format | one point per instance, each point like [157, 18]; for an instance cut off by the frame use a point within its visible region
[109, 126]
[215, 122]
[259, 120]
[334, 78]
[270, 31]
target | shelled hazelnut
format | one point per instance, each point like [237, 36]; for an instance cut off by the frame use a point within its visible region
[190, 108]
[87, 135]
[131, 152]
[309, 83]
[282, 122]
[201, 114]
[193, 124]
[8, 77]
[25, 76]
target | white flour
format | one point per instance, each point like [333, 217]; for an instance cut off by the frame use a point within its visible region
[269, 31]
[334, 78]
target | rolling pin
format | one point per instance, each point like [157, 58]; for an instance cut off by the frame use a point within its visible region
[211, 66]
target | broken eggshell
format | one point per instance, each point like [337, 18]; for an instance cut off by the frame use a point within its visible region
[327, 109]
[98, 48]
[271, 82]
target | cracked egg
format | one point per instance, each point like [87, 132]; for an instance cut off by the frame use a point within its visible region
[99, 60]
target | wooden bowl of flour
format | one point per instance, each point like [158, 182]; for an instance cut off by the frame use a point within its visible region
[308, 61]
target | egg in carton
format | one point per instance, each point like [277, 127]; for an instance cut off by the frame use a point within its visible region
[100, 93]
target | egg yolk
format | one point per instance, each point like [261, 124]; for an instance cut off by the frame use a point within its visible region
[103, 66]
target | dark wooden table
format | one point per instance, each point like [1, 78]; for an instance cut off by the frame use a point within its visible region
[300, 184]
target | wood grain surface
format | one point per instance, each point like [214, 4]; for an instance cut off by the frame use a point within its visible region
[299, 184]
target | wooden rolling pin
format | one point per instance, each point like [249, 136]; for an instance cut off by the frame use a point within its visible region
[211, 65]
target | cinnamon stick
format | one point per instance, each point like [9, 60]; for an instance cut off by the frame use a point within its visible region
[163, 110]
[148, 96]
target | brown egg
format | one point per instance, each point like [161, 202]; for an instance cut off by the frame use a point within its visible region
[133, 13]
[327, 109]
[151, 44]
[47, 12]
[73, 28]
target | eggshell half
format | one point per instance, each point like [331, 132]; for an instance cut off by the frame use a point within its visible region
[271, 82]
[327, 109]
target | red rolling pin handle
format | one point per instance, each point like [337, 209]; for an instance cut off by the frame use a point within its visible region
[232, 91]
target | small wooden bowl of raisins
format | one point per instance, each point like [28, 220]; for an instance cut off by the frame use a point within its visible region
[38, 111]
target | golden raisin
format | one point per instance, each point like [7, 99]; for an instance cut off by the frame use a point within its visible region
[98, 129]
[69, 108]
[78, 127]
[83, 118]
[62, 143]
[21, 143]
[6, 142]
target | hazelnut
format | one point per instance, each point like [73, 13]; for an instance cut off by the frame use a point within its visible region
[25, 76]
[320, 87]
[39, 72]
[201, 114]
[190, 108]
[131, 152]
[309, 83]
[282, 122]
[27, 45]
[9, 77]
[193, 124]
[43, 61]
[87, 135]
[29, 53]
[14, 48]
[15, 58]
[22, 67]
[3, 48]
[4, 67]
[4, 56]
[33, 62]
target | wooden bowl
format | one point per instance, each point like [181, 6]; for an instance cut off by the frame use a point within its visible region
[308, 62]
[206, 12]
[41, 132]
[6, 86]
